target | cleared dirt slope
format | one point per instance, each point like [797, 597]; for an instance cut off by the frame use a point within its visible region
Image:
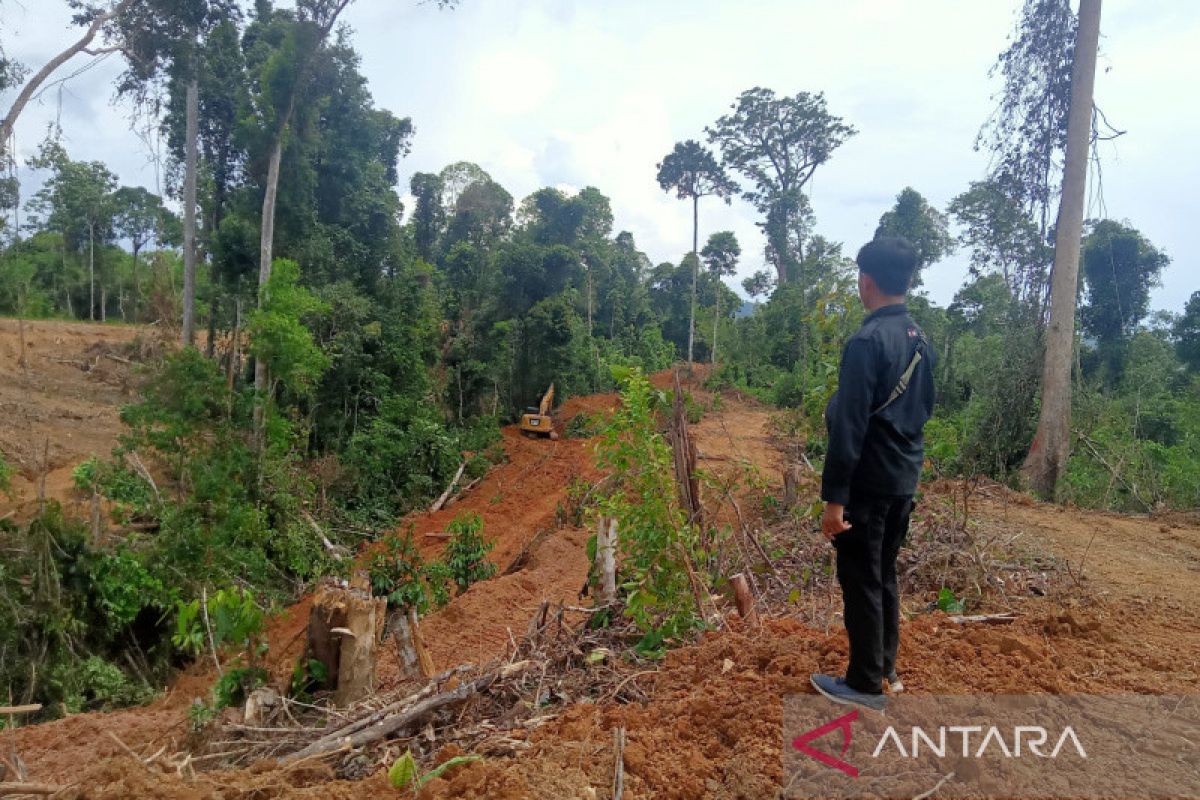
[711, 726]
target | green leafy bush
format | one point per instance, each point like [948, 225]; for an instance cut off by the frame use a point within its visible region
[397, 572]
[654, 536]
[6, 473]
[466, 553]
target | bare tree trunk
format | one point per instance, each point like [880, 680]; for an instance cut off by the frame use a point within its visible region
[695, 276]
[266, 247]
[267, 236]
[188, 335]
[716, 327]
[214, 307]
[80, 46]
[92, 272]
[1051, 444]
[137, 284]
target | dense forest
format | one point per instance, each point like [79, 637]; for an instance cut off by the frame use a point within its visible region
[344, 352]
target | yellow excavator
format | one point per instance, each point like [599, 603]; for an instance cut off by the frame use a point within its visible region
[537, 421]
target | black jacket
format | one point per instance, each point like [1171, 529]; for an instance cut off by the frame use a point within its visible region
[877, 447]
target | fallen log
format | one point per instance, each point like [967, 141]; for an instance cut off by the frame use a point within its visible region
[441, 501]
[7, 789]
[28, 709]
[334, 550]
[410, 716]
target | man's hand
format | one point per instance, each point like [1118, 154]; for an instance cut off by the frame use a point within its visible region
[833, 521]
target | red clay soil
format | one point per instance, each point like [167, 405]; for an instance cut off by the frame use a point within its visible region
[713, 725]
[65, 396]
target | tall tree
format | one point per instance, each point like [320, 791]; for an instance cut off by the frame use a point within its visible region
[139, 217]
[77, 200]
[693, 172]
[778, 143]
[281, 79]
[920, 223]
[720, 254]
[429, 217]
[164, 41]
[1051, 444]
[1119, 268]
[1187, 333]
[1003, 238]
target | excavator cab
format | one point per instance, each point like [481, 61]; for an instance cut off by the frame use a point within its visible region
[537, 421]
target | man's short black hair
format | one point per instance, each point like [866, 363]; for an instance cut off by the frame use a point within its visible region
[891, 261]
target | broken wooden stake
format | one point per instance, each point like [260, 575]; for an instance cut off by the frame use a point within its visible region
[618, 786]
[744, 599]
[791, 486]
[424, 660]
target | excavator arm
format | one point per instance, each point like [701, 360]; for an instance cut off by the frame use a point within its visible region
[547, 401]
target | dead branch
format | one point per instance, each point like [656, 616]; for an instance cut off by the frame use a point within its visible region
[929, 793]
[984, 619]
[136, 460]
[412, 715]
[10, 119]
[28, 709]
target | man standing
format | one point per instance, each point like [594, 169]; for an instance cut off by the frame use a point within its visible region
[876, 448]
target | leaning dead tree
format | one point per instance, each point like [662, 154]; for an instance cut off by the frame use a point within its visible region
[81, 45]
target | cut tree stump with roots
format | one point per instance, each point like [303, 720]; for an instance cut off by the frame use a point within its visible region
[342, 634]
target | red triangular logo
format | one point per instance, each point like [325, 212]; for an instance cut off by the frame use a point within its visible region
[843, 723]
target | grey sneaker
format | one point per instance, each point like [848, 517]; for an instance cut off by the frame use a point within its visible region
[837, 691]
[895, 685]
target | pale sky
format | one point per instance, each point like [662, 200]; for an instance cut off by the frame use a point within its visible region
[572, 93]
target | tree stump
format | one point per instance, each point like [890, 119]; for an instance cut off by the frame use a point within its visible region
[744, 599]
[791, 486]
[342, 632]
[405, 629]
[606, 559]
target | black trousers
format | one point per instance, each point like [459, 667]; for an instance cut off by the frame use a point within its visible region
[866, 569]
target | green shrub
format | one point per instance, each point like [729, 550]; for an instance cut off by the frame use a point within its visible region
[404, 456]
[654, 537]
[95, 684]
[584, 425]
[397, 572]
[6, 473]
[466, 553]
